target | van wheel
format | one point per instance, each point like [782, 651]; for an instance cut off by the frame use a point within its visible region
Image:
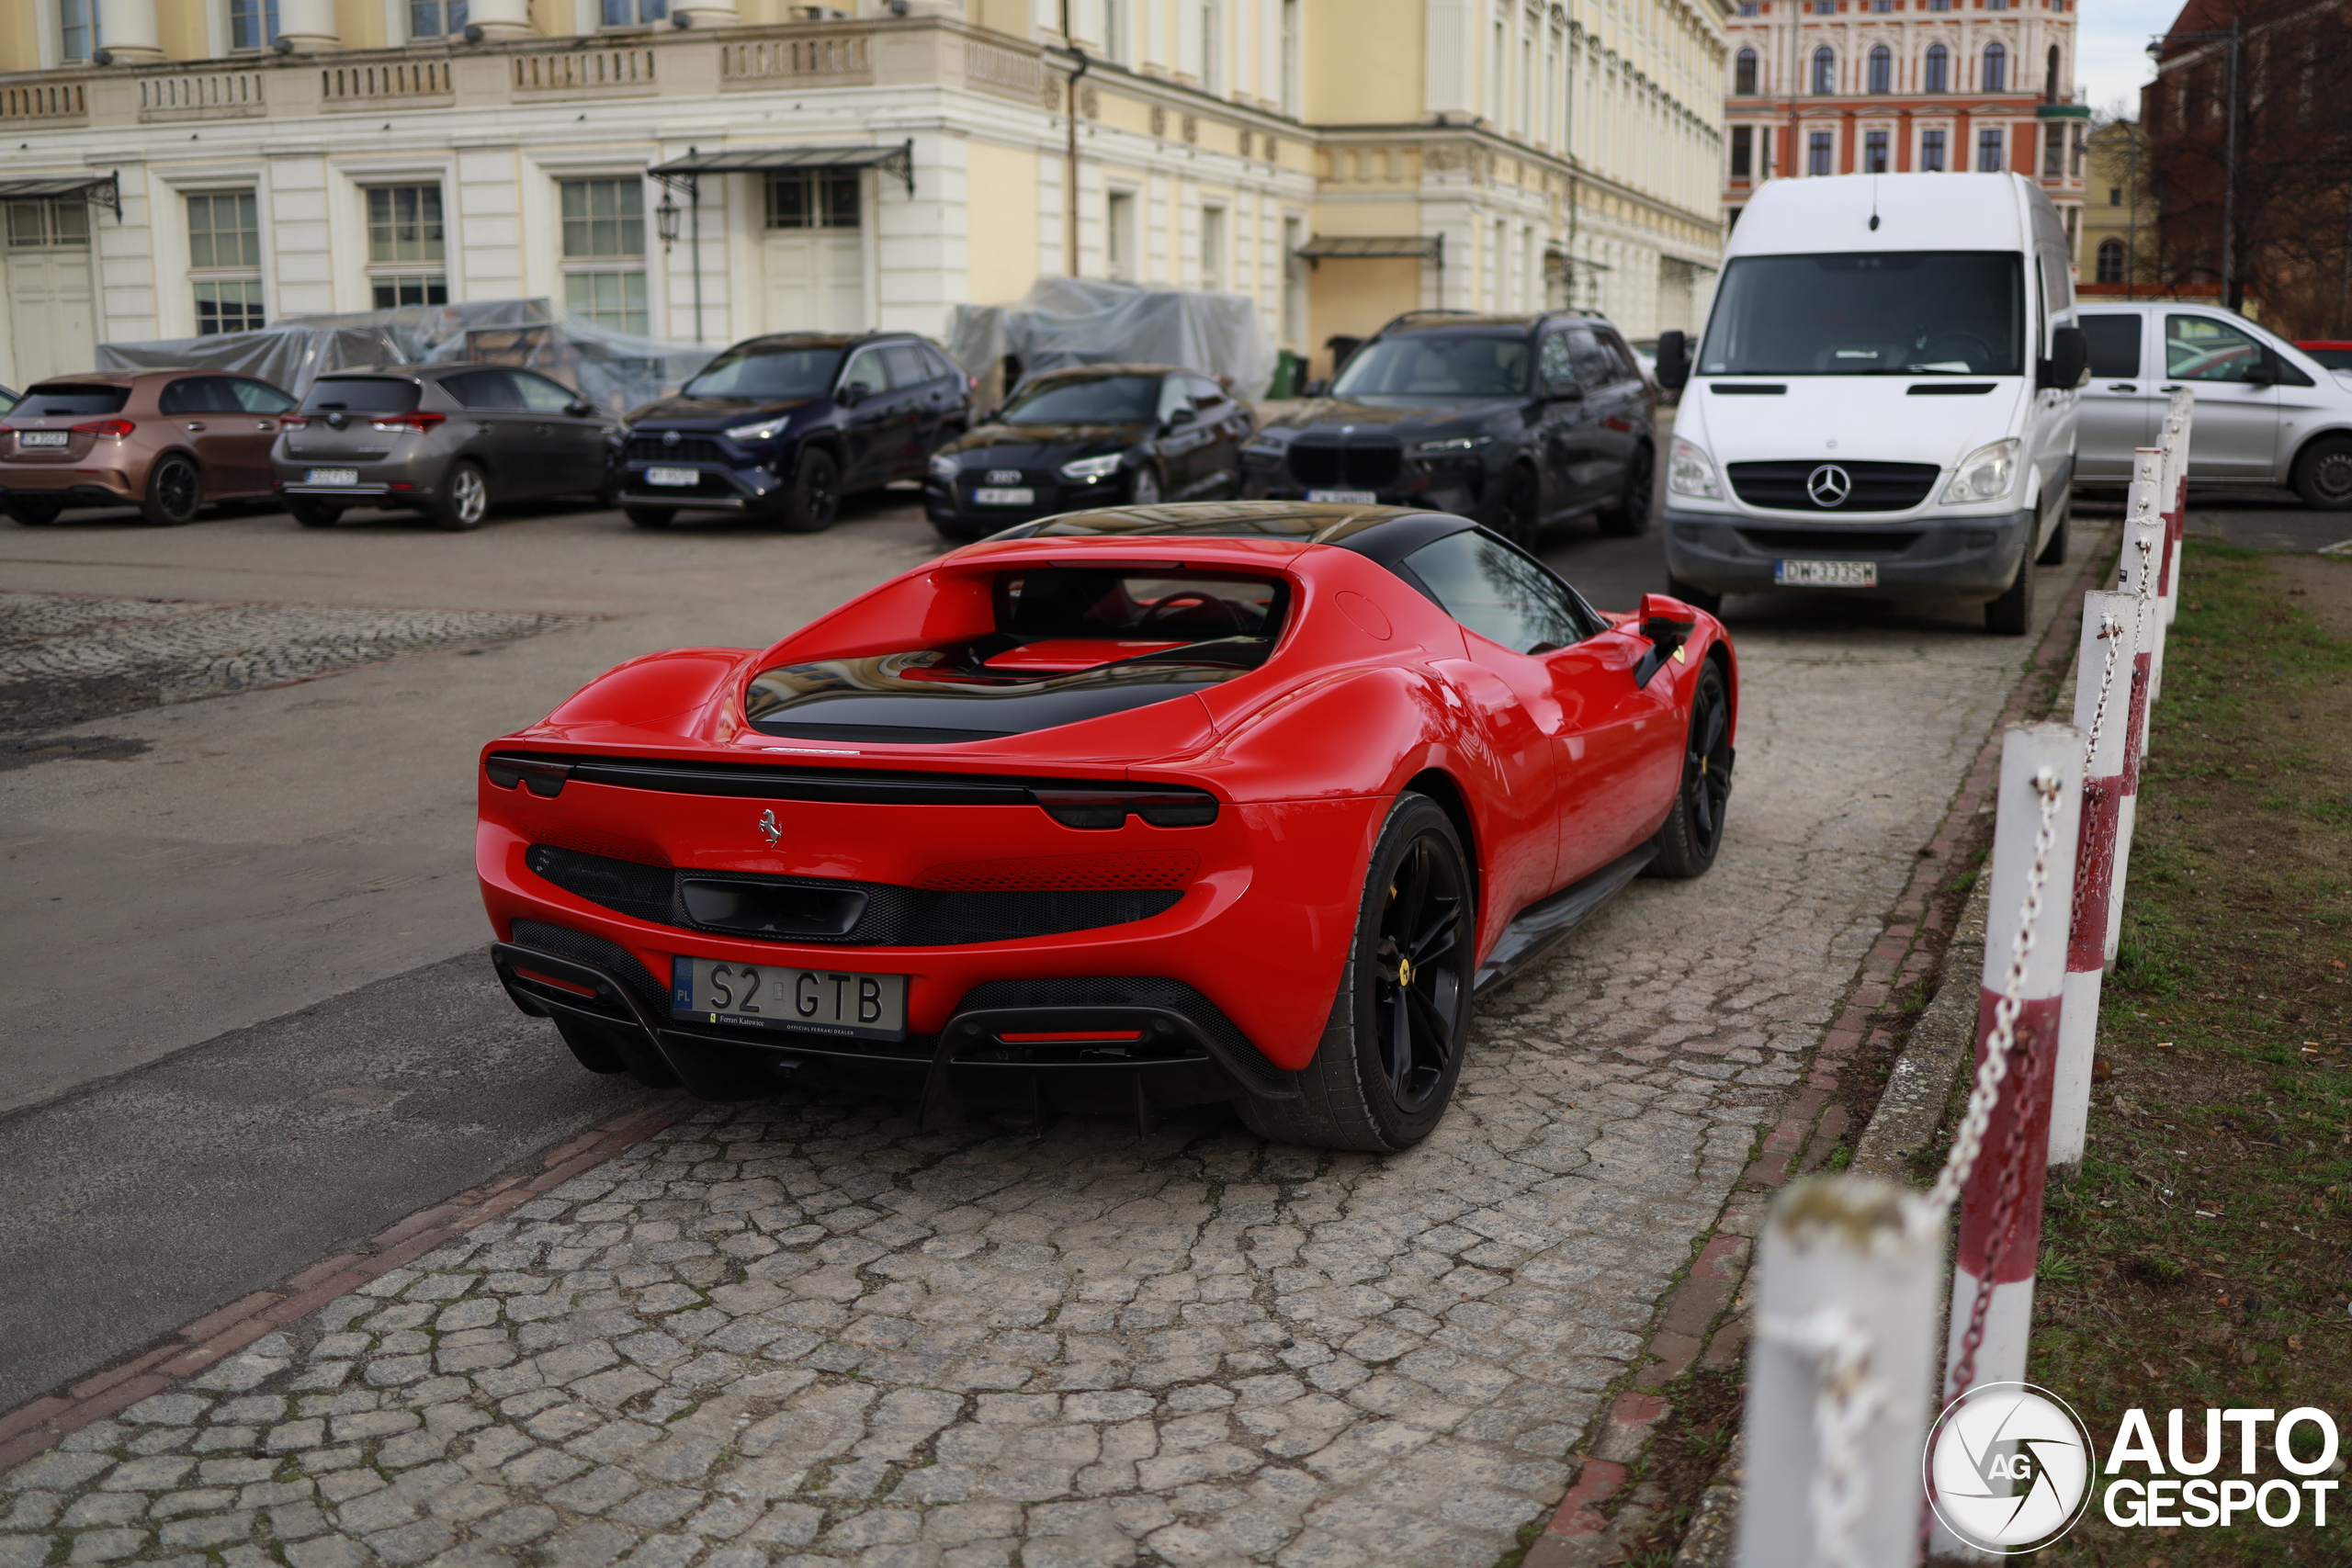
[1629, 514]
[2012, 614]
[2055, 552]
[650, 516]
[2324, 474]
[816, 493]
[173, 493]
[464, 500]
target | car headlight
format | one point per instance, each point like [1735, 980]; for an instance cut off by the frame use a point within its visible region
[942, 467]
[766, 429]
[1690, 471]
[1984, 475]
[1459, 447]
[1092, 468]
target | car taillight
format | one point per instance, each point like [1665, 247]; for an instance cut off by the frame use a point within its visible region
[542, 776]
[416, 419]
[117, 428]
[294, 421]
[1162, 805]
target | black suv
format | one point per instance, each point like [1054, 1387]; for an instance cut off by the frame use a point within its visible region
[785, 426]
[1517, 421]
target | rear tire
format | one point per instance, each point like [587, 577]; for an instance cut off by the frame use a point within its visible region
[2324, 474]
[174, 490]
[1629, 514]
[1695, 828]
[2055, 552]
[313, 514]
[2012, 614]
[650, 516]
[816, 493]
[464, 499]
[1690, 593]
[35, 511]
[1385, 1067]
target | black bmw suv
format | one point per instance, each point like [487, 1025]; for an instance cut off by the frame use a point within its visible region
[1517, 421]
[785, 426]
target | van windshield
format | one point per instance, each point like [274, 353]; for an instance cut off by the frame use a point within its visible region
[1890, 313]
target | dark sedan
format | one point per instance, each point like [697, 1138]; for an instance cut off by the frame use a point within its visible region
[1099, 435]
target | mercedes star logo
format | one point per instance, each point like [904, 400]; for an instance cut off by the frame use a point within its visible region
[771, 830]
[1829, 485]
[669, 438]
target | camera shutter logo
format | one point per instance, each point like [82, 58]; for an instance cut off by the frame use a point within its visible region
[2009, 1468]
[1829, 485]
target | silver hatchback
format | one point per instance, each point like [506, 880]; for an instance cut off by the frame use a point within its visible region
[449, 441]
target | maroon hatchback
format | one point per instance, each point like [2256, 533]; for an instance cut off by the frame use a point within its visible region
[164, 441]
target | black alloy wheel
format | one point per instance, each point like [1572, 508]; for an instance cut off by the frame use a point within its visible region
[1630, 514]
[2054, 549]
[1522, 508]
[173, 493]
[1695, 828]
[2012, 614]
[1384, 1070]
[2324, 474]
[816, 493]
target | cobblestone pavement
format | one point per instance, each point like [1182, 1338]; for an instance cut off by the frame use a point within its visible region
[68, 657]
[803, 1331]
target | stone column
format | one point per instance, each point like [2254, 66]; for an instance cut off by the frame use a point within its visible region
[501, 18]
[126, 31]
[308, 25]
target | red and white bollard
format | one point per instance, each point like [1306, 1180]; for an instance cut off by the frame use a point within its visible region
[2105, 687]
[2017, 1024]
[2179, 413]
[2142, 546]
[2145, 564]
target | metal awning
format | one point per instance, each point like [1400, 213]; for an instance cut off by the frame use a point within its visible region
[1334, 247]
[104, 189]
[681, 172]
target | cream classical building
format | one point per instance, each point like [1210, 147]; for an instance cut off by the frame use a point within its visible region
[703, 170]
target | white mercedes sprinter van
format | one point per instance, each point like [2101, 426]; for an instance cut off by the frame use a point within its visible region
[1884, 399]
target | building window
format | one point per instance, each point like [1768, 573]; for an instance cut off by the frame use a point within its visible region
[1882, 7]
[1115, 31]
[1212, 47]
[1119, 235]
[1931, 151]
[77, 29]
[2111, 261]
[1996, 69]
[808, 200]
[1818, 153]
[1874, 152]
[435, 18]
[1882, 70]
[407, 245]
[635, 13]
[1212, 247]
[36, 225]
[1291, 56]
[252, 24]
[224, 257]
[2053, 151]
[1748, 9]
[1825, 71]
[1989, 149]
[604, 252]
[1939, 5]
[228, 305]
[1743, 152]
[2074, 164]
[2115, 195]
[2050, 77]
[1936, 76]
[1743, 75]
[1825, 8]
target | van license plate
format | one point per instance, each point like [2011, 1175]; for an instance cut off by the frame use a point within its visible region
[334, 477]
[673, 476]
[819, 1002]
[1349, 497]
[1827, 573]
[40, 438]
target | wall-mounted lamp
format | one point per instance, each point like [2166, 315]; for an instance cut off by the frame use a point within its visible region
[665, 223]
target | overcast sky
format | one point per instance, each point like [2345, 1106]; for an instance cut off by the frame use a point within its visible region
[2111, 50]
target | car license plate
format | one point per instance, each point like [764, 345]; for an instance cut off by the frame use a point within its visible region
[673, 476]
[333, 477]
[1351, 497]
[40, 438]
[991, 496]
[820, 1001]
[1827, 573]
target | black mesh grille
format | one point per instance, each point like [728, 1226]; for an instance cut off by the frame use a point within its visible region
[1318, 466]
[686, 449]
[610, 957]
[837, 912]
[1115, 990]
[1871, 486]
[1830, 541]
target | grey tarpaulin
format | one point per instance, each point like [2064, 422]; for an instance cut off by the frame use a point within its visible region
[614, 370]
[1083, 320]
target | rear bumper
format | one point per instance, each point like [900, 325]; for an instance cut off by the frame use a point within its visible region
[394, 481]
[112, 489]
[1923, 555]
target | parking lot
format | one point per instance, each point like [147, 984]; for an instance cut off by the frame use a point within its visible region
[804, 1324]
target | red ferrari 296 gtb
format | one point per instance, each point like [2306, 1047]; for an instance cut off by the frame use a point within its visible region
[1113, 812]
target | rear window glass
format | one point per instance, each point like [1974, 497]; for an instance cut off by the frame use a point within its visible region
[360, 394]
[1090, 602]
[69, 396]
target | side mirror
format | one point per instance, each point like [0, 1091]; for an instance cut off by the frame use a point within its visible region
[2069, 361]
[1667, 623]
[1565, 389]
[1673, 361]
[2262, 372]
[1318, 388]
[1182, 415]
[856, 392]
[580, 407]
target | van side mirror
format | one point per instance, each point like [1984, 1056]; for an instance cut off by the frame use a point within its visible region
[2069, 361]
[2263, 372]
[1673, 361]
[1667, 623]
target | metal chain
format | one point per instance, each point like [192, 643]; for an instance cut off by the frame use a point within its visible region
[1846, 1400]
[2111, 632]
